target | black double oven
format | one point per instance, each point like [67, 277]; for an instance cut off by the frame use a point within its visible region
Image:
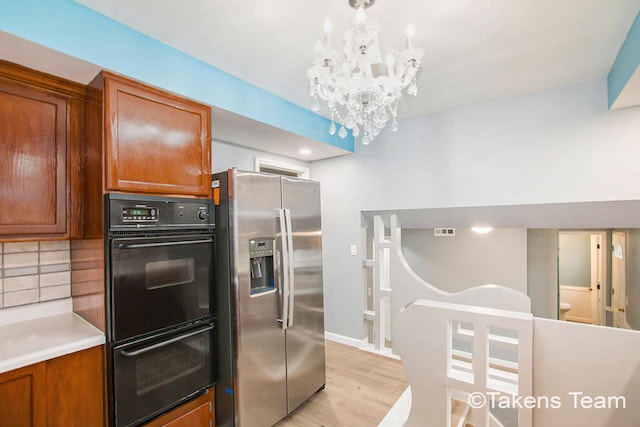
[160, 297]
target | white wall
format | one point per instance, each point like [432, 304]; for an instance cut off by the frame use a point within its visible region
[574, 258]
[468, 259]
[542, 271]
[576, 362]
[556, 146]
[225, 156]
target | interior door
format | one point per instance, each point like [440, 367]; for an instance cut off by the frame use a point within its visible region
[305, 336]
[619, 279]
[598, 281]
[261, 370]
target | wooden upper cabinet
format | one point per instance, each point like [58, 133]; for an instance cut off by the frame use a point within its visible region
[155, 142]
[40, 119]
[33, 154]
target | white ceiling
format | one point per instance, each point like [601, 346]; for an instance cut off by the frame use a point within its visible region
[227, 126]
[475, 50]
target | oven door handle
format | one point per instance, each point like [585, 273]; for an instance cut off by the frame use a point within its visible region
[155, 245]
[164, 343]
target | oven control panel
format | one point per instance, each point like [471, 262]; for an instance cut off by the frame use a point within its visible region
[139, 213]
[128, 211]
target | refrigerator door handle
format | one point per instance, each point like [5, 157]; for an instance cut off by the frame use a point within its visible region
[284, 271]
[291, 281]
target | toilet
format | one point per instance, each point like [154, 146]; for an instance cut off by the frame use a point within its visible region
[564, 307]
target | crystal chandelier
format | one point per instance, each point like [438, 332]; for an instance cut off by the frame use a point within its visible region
[362, 93]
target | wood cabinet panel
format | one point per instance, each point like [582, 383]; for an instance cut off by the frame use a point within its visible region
[66, 391]
[155, 142]
[75, 386]
[41, 132]
[93, 178]
[199, 412]
[75, 166]
[33, 155]
[22, 397]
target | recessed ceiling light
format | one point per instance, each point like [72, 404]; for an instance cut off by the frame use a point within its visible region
[305, 151]
[481, 230]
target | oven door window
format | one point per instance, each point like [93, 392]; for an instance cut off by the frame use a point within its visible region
[158, 283]
[173, 272]
[158, 373]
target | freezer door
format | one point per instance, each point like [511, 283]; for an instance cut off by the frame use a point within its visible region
[260, 370]
[305, 333]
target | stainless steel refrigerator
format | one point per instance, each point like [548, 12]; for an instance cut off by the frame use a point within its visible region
[269, 296]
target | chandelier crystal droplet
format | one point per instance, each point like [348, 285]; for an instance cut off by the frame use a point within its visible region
[332, 128]
[361, 91]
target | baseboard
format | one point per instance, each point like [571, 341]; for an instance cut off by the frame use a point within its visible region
[341, 339]
[579, 320]
[386, 352]
[359, 344]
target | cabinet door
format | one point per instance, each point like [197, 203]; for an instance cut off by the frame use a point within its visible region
[155, 142]
[21, 397]
[199, 412]
[75, 389]
[33, 159]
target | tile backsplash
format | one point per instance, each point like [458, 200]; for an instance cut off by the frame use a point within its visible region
[33, 272]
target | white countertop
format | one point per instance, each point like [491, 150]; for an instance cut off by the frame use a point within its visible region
[39, 333]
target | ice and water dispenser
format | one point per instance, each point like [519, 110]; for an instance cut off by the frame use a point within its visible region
[261, 263]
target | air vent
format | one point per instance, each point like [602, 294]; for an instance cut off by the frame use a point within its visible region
[444, 232]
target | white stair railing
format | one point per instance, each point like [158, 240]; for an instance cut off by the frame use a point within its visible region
[379, 263]
[483, 369]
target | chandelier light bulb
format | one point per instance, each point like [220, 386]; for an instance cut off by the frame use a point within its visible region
[328, 26]
[390, 61]
[360, 16]
[410, 32]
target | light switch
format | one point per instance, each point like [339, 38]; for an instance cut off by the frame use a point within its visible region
[354, 250]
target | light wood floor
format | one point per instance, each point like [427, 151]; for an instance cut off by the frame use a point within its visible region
[361, 388]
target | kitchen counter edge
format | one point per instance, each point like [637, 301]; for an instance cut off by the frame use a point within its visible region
[36, 340]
